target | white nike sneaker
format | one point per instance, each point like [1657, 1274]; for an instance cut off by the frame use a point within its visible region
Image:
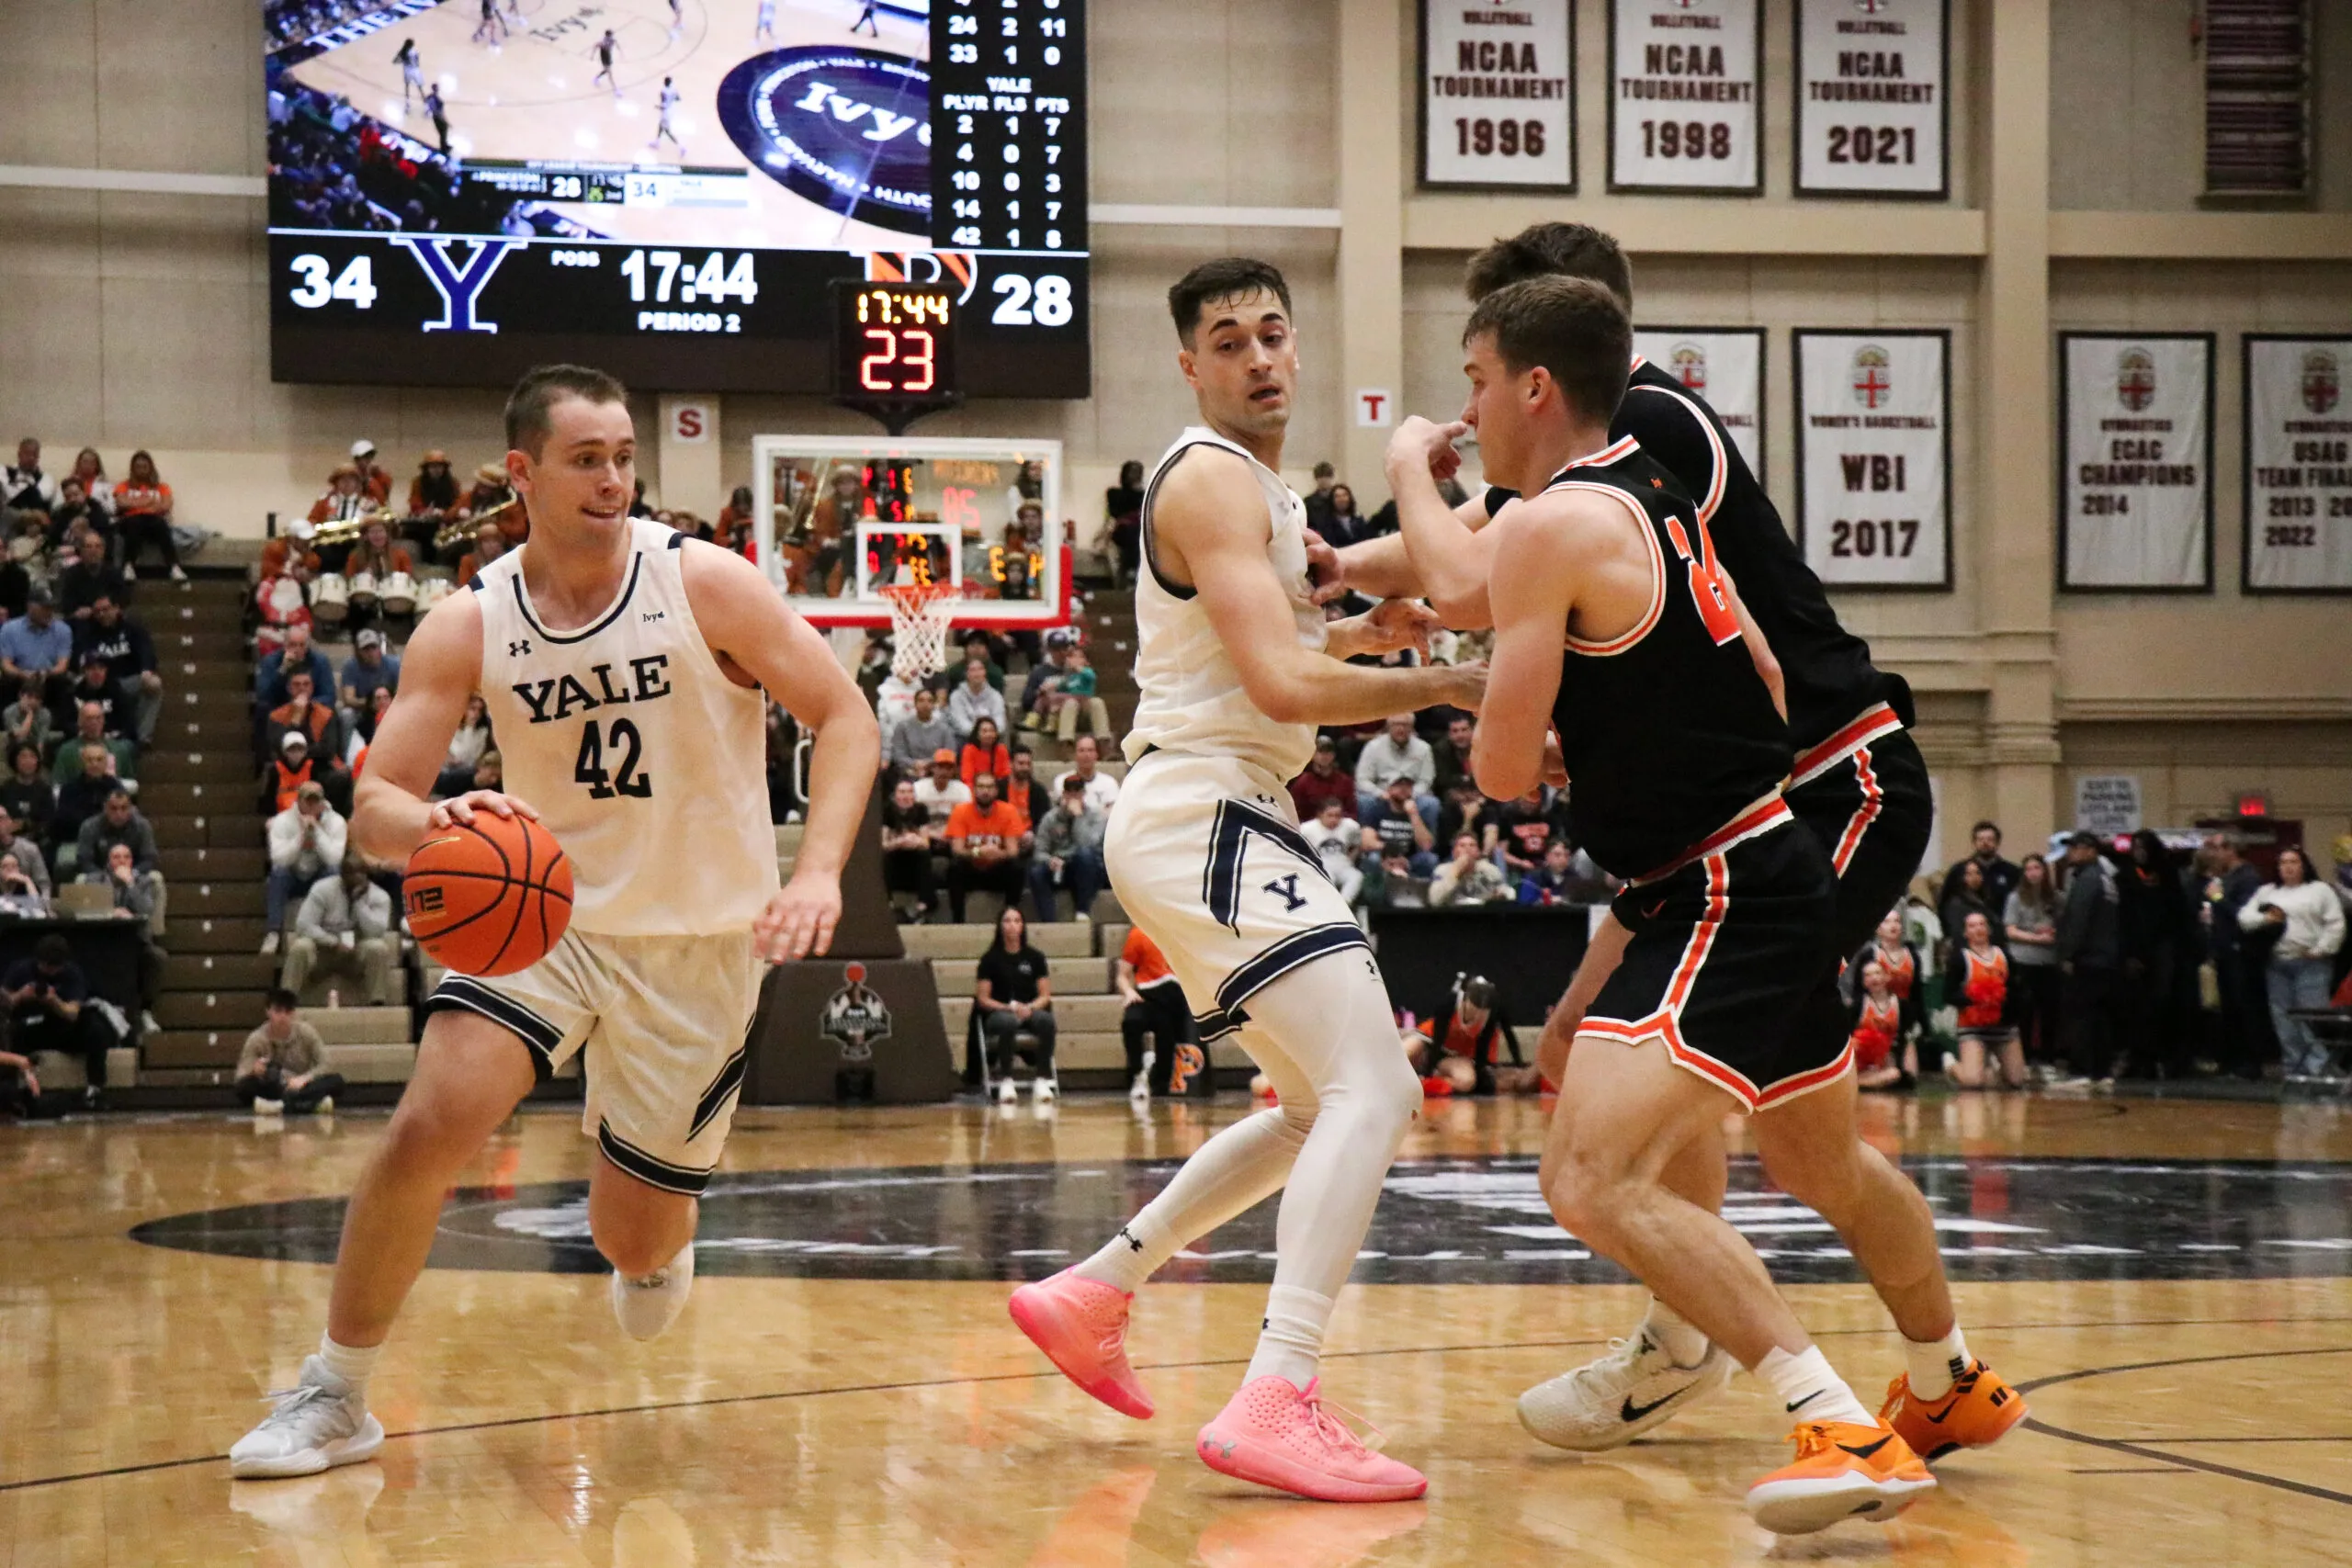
[321, 1422]
[649, 1306]
[1607, 1402]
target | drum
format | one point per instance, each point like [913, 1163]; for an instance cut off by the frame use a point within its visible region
[431, 591]
[331, 599]
[399, 593]
[363, 590]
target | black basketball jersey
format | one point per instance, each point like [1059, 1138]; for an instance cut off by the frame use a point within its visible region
[1667, 730]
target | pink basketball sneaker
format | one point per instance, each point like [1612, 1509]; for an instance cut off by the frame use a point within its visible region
[1082, 1325]
[1278, 1434]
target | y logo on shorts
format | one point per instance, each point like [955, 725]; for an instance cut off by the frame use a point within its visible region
[1287, 888]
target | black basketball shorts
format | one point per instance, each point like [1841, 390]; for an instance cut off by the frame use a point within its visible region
[1863, 793]
[1729, 946]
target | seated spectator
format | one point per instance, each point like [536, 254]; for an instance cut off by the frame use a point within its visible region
[1336, 839]
[1525, 827]
[1397, 752]
[1068, 852]
[90, 473]
[74, 505]
[907, 844]
[1395, 825]
[81, 799]
[493, 489]
[284, 775]
[307, 841]
[1554, 880]
[987, 843]
[1464, 1044]
[82, 574]
[1013, 996]
[1155, 1007]
[29, 720]
[489, 772]
[1027, 792]
[490, 543]
[117, 821]
[303, 714]
[134, 896]
[472, 736]
[914, 740]
[21, 898]
[1324, 780]
[1465, 810]
[374, 477]
[29, 856]
[48, 1000]
[1468, 878]
[969, 702]
[129, 655]
[1074, 697]
[290, 555]
[1985, 1029]
[1879, 1027]
[28, 794]
[95, 687]
[369, 667]
[940, 792]
[1391, 883]
[1453, 753]
[23, 486]
[1044, 678]
[2307, 924]
[283, 1066]
[272, 679]
[15, 574]
[345, 922]
[344, 500]
[434, 498]
[89, 727]
[374, 561]
[734, 531]
[1086, 759]
[142, 504]
[983, 753]
[37, 650]
[355, 744]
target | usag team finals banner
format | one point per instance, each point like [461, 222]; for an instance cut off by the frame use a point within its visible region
[1723, 364]
[1683, 77]
[1872, 116]
[2135, 497]
[1874, 456]
[2298, 465]
[1498, 106]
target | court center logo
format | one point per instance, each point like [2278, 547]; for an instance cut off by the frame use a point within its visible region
[855, 1017]
[1688, 364]
[1873, 382]
[848, 129]
[2135, 378]
[2322, 382]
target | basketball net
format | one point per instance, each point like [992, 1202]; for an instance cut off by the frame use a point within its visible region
[920, 617]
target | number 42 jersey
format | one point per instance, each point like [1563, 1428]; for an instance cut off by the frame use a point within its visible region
[643, 758]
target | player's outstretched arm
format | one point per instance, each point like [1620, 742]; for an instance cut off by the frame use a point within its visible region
[746, 622]
[440, 668]
[1768, 665]
[1209, 524]
[1532, 592]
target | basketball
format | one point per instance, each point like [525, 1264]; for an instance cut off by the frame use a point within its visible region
[489, 898]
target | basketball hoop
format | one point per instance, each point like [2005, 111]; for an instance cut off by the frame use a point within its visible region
[921, 613]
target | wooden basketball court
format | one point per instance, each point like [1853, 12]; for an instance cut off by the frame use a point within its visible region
[2167, 1279]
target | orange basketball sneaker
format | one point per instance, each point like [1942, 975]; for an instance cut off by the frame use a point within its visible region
[1977, 1411]
[1843, 1471]
[1082, 1325]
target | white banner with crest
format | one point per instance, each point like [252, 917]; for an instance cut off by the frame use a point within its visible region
[1683, 79]
[2298, 465]
[1874, 456]
[2136, 430]
[1723, 364]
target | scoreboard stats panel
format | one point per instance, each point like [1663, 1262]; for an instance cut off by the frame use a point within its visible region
[458, 192]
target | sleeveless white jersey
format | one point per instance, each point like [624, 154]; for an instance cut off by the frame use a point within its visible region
[1191, 697]
[644, 759]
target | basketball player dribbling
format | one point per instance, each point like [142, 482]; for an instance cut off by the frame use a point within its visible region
[622, 666]
[1857, 783]
[1235, 665]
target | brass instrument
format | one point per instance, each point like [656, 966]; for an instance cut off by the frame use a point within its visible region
[457, 534]
[346, 530]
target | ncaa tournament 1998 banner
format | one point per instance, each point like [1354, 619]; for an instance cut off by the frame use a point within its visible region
[2298, 465]
[1872, 117]
[1723, 364]
[2135, 496]
[1497, 104]
[1682, 82]
[1874, 456]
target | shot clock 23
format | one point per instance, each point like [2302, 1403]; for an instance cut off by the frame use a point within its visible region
[898, 340]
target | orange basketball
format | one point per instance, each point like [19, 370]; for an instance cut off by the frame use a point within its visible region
[489, 898]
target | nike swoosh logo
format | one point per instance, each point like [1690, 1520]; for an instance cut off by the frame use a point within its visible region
[1630, 1412]
[1651, 913]
[1808, 1399]
[1865, 1453]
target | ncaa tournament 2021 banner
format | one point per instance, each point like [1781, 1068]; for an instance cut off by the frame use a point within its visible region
[1683, 76]
[1872, 118]
[1497, 94]
[2298, 465]
[1723, 364]
[1874, 456]
[2135, 493]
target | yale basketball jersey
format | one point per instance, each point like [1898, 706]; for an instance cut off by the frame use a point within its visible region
[647, 764]
[1190, 697]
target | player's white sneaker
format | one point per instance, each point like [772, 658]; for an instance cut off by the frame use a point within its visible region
[1043, 1089]
[1609, 1403]
[1140, 1090]
[647, 1307]
[320, 1422]
[1005, 1091]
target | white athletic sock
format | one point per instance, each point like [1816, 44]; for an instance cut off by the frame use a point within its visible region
[1809, 1389]
[1233, 1171]
[1677, 1336]
[352, 1365]
[1935, 1364]
[1130, 1257]
[1290, 1341]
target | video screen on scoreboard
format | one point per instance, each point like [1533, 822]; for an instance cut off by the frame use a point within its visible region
[669, 189]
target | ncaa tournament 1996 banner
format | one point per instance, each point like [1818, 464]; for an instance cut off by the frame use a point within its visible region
[1874, 456]
[1497, 104]
[1682, 83]
[2298, 465]
[2135, 496]
[1723, 364]
[1872, 118]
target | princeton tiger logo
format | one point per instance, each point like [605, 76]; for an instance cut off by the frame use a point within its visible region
[1874, 385]
[2323, 384]
[2135, 378]
[856, 1016]
[1689, 363]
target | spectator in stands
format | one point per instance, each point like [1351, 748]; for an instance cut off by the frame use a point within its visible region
[23, 486]
[21, 898]
[940, 792]
[374, 561]
[270, 680]
[972, 701]
[979, 645]
[1465, 810]
[134, 896]
[284, 775]
[1525, 827]
[117, 821]
[30, 859]
[303, 714]
[1123, 522]
[1324, 780]
[983, 753]
[129, 654]
[1014, 996]
[1068, 852]
[1397, 752]
[2029, 920]
[2089, 951]
[2158, 1001]
[283, 1066]
[2229, 884]
[90, 724]
[1397, 825]
[489, 772]
[15, 578]
[2000, 876]
[907, 848]
[434, 498]
[28, 722]
[144, 508]
[369, 667]
[82, 574]
[90, 473]
[374, 477]
[472, 736]
[490, 543]
[1074, 697]
[1453, 753]
[1101, 789]
[1880, 1026]
[290, 555]
[1155, 1008]
[345, 922]
[27, 794]
[1463, 1046]
[491, 492]
[914, 740]
[2306, 921]
[1469, 877]
[81, 799]
[37, 649]
[1343, 526]
[93, 687]
[1969, 894]
[355, 744]
[988, 844]
[1337, 839]
[1390, 882]
[1553, 880]
[1026, 790]
[346, 499]
[74, 505]
[48, 1000]
[1319, 499]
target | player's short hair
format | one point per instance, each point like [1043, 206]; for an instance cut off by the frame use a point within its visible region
[1573, 327]
[544, 385]
[1226, 277]
[1543, 250]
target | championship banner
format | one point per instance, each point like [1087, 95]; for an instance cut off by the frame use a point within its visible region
[1723, 364]
[1871, 114]
[1682, 82]
[1874, 458]
[2135, 498]
[2298, 465]
[1498, 99]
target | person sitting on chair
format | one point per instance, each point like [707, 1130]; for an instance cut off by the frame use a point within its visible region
[48, 1010]
[283, 1064]
[1015, 997]
[988, 844]
[345, 922]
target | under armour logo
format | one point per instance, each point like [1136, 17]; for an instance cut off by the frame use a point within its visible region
[655, 614]
[518, 649]
[1133, 1243]
[1287, 888]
